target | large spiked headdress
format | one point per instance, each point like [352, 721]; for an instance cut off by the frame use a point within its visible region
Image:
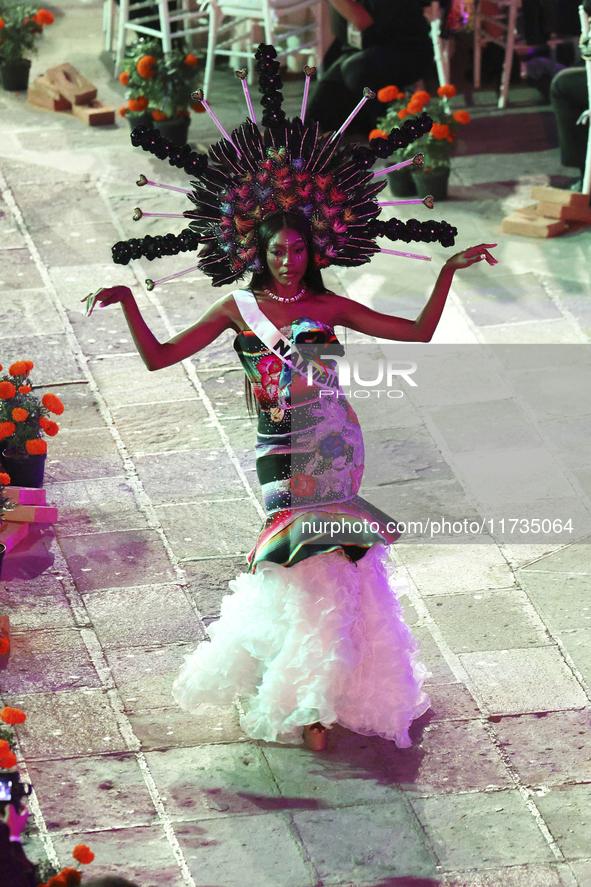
[289, 167]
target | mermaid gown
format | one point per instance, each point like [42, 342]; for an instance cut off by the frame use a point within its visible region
[314, 631]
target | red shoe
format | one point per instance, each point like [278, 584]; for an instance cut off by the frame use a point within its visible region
[315, 736]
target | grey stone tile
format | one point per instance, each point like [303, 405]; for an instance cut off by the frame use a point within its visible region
[556, 391]
[548, 749]
[81, 410]
[101, 791]
[207, 725]
[73, 245]
[162, 427]
[395, 456]
[188, 476]
[485, 425]
[52, 355]
[82, 454]
[75, 206]
[231, 852]
[225, 390]
[561, 599]
[46, 661]
[582, 872]
[205, 529]
[35, 604]
[139, 853]
[65, 724]
[514, 876]
[371, 844]
[125, 617]
[490, 620]
[519, 681]
[451, 701]
[116, 560]
[32, 310]
[98, 505]
[506, 299]
[481, 831]
[578, 646]
[202, 783]
[107, 332]
[432, 658]
[570, 559]
[208, 581]
[19, 270]
[567, 810]
[449, 569]
[144, 675]
[454, 374]
[535, 332]
[452, 756]
[125, 380]
[74, 282]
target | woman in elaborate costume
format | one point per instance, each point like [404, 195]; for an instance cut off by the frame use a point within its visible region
[313, 634]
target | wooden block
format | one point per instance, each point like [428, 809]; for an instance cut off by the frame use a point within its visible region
[95, 113]
[12, 533]
[4, 633]
[71, 84]
[43, 94]
[44, 514]
[568, 213]
[559, 196]
[26, 495]
[529, 224]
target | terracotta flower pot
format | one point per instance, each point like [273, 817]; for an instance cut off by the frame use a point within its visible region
[25, 470]
[15, 75]
[432, 182]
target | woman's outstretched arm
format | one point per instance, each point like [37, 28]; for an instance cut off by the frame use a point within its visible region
[157, 355]
[385, 326]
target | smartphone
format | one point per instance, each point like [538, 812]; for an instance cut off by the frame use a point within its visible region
[6, 780]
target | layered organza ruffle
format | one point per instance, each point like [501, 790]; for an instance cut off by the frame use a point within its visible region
[324, 640]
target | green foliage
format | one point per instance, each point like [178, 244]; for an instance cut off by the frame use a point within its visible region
[43, 871]
[167, 92]
[18, 36]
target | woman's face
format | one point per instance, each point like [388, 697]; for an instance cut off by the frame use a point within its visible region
[287, 257]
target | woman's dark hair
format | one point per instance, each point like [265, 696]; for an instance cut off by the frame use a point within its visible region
[271, 226]
[312, 277]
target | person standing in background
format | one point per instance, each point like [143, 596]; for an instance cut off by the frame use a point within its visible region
[376, 43]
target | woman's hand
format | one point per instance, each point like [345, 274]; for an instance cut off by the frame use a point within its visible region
[472, 255]
[107, 296]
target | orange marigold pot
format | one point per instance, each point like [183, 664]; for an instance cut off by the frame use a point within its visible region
[25, 469]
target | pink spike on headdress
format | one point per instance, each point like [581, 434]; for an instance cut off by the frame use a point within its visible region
[417, 160]
[150, 284]
[367, 94]
[198, 97]
[144, 181]
[139, 214]
[428, 201]
[395, 252]
[309, 72]
[242, 74]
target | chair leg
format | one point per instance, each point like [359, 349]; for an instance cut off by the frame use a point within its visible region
[123, 19]
[215, 19]
[508, 63]
[477, 65]
[164, 26]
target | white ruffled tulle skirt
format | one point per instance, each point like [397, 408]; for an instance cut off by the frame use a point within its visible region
[324, 640]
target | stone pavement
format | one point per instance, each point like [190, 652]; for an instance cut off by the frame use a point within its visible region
[158, 502]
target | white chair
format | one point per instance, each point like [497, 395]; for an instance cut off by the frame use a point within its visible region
[441, 46]
[232, 23]
[504, 22]
[586, 187]
[166, 18]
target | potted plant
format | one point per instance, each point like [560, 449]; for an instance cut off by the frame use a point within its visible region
[159, 88]
[23, 421]
[436, 145]
[19, 28]
[6, 504]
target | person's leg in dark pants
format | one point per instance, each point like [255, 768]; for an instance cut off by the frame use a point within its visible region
[569, 98]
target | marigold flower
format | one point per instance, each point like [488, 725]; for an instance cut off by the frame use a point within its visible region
[461, 117]
[2, 23]
[421, 95]
[29, 365]
[82, 854]
[53, 404]
[7, 429]
[191, 60]
[7, 390]
[51, 428]
[4, 478]
[158, 116]
[139, 104]
[403, 113]
[4, 745]
[8, 760]
[122, 111]
[4, 648]
[198, 107]
[19, 415]
[44, 17]
[388, 94]
[68, 877]
[36, 447]
[24, 389]
[146, 65]
[440, 130]
[12, 715]
[124, 78]
[18, 368]
[447, 91]
[414, 107]
[378, 134]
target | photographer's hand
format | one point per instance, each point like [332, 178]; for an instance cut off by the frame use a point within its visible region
[15, 821]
